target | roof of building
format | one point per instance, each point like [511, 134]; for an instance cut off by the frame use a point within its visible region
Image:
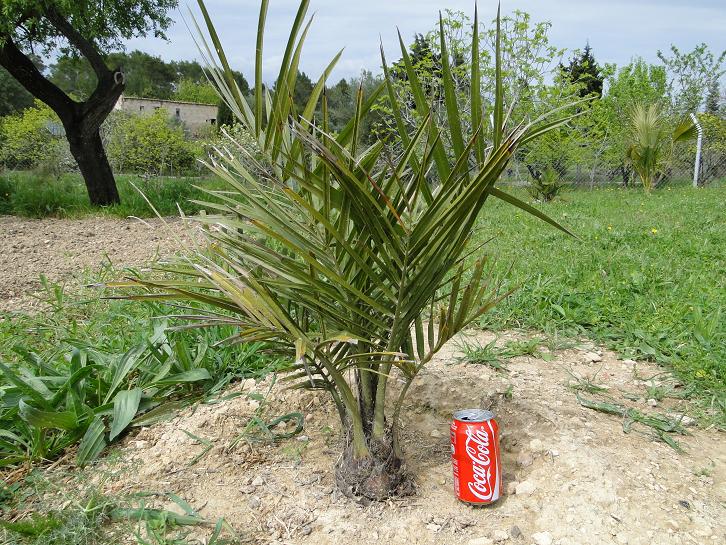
[169, 101]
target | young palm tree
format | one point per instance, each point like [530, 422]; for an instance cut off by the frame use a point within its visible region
[353, 264]
[652, 143]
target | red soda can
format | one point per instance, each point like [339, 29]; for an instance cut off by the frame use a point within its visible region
[475, 456]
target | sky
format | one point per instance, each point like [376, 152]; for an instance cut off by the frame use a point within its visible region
[616, 30]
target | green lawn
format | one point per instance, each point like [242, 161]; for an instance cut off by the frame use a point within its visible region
[647, 276]
[30, 195]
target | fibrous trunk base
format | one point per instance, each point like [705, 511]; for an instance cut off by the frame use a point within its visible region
[376, 477]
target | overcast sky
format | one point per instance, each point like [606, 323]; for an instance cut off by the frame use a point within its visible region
[617, 30]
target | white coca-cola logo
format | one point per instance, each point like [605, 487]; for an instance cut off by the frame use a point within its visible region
[477, 448]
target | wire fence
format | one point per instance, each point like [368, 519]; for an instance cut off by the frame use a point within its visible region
[679, 168]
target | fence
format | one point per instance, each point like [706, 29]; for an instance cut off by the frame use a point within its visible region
[680, 168]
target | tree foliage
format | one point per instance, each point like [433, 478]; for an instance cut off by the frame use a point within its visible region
[651, 142]
[87, 28]
[692, 75]
[584, 70]
[149, 144]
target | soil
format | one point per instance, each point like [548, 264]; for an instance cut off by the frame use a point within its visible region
[571, 475]
[62, 249]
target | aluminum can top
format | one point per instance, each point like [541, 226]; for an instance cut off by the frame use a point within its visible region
[473, 415]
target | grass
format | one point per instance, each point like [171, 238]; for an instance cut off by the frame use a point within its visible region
[645, 277]
[61, 508]
[88, 370]
[493, 356]
[31, 195]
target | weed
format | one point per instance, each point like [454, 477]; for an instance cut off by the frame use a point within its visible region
[81, 383]
[661, 426]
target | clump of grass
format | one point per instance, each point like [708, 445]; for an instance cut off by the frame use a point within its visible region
[75, 511]
[493, 356]
[661, 427]
[33, 195]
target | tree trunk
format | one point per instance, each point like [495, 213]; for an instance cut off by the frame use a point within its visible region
[81, 120]
[96, 171]
[376, 477]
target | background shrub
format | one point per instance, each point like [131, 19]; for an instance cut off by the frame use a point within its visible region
[27, 139]
[149, 144]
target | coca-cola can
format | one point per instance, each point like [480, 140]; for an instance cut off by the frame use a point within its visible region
[475, 456]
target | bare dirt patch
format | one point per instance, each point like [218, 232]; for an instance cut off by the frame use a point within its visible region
[571, 475]
[62, 249]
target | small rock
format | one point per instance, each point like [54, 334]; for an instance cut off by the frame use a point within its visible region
[500, 536]
[704, 531]
[536, 445]
[432, 526]
[652, 402]
[524, 488]
[592, 357]
[621, 538]
[515, 532]
[435, 433]
[258, 481]
[512, 488]
[630, 362]
[303, 438]
[140, 444]
[306, 530]
[524, 459]
[254, 502]
[480, 541]
[542, 538]
[685, 420]
[672, 524]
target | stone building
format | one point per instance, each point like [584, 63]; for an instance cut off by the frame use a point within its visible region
[194, 116]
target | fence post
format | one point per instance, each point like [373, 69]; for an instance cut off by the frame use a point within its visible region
[699, 144]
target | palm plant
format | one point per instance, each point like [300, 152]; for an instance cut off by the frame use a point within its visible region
[354, 264]
[652, 143]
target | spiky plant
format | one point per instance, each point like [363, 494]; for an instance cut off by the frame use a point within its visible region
[354, 265]
[547, 185]
[652, 142]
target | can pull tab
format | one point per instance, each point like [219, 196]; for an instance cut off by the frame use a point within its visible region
[473, 415]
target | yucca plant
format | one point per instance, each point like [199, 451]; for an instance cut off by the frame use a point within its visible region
[353, 264]
[652, 142]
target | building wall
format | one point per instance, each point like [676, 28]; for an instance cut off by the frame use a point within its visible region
[195, 117]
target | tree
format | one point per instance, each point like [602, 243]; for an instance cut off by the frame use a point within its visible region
[713, 98]
[188, 90]
[344, 263]
[691, 76]
[13, 96]
[584, 70]
[86, 28]
[636, 82]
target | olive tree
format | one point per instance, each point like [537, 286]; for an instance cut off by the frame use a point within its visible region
[88, 28]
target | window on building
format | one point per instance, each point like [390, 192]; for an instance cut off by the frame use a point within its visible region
[156, 107]
[212, 121]
[141, 108]
[178, 112]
